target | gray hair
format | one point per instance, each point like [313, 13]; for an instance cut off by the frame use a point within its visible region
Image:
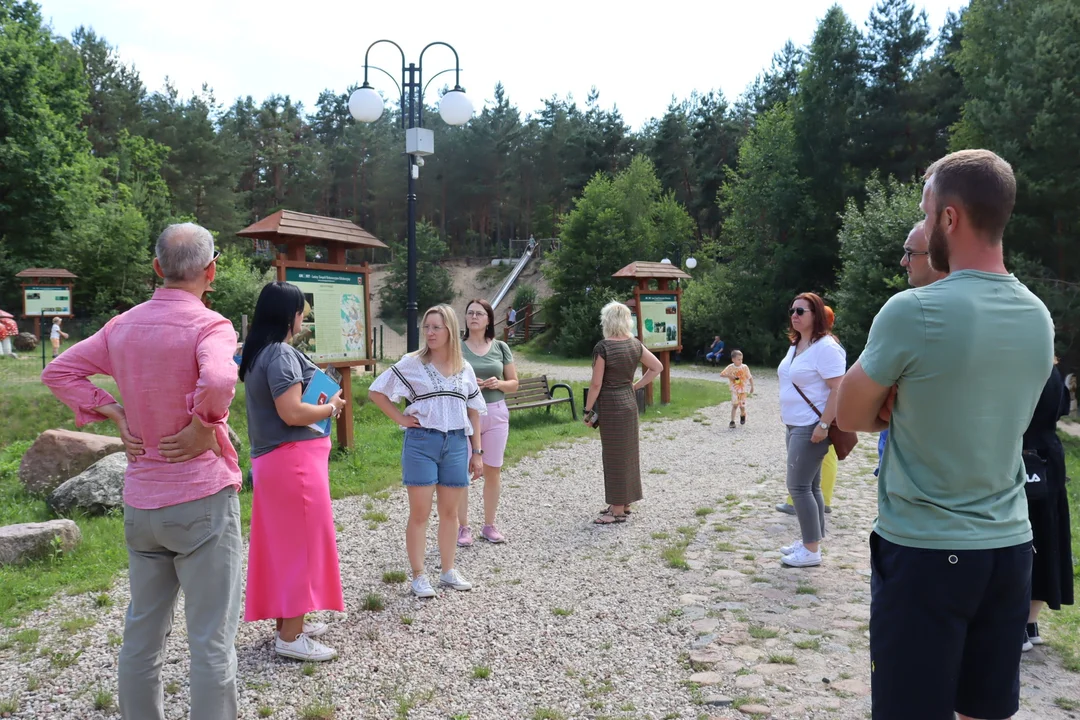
[184, 250]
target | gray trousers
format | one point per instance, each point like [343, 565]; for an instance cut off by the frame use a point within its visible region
[195, 546]
[804, 480]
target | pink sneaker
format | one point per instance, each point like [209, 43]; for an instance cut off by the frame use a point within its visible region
[492, 534]
[464, 536]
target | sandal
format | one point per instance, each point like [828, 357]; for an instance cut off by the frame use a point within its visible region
[607, 518]
[607, 510]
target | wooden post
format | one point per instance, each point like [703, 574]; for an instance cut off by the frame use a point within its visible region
[345, 420]
[665, 378]
[528, 321]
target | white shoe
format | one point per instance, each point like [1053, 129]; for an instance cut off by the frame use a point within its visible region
[788, 549]
[311, 629]
[304, 648]
[421, 587]
[453, 578]
[802, 558]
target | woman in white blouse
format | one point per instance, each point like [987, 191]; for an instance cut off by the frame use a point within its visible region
[444, 409]
[809, 376]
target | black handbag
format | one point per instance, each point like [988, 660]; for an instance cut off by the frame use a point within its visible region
[1035, 469]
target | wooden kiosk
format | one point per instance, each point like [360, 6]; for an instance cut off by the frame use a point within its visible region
[658, 314]
[338, 290]
[46, 292]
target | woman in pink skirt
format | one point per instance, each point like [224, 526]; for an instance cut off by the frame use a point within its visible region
[292, 558]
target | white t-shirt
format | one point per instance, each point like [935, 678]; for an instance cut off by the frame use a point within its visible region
[55, 333]
[439, 403]
[822, 361]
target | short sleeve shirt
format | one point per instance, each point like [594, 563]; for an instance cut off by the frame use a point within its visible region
[823, 360]
[276, 369]
[438, 402]
[738, 378]
[969, 355]
[490, 365]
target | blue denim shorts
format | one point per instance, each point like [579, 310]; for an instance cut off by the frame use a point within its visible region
[432, 457]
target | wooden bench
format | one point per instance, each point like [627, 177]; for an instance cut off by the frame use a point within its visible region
[534, 392]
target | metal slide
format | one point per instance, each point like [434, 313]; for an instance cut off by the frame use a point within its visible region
[514, 274]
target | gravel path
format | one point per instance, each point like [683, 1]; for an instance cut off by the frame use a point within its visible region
[568, 619]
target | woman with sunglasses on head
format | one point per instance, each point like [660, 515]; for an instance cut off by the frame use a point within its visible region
[444, 410]
[809, 375]
[293, 564]
[493, 364]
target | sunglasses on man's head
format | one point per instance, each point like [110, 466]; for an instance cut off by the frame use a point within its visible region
[799, 311]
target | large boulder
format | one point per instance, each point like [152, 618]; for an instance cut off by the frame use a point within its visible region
[58, 455]
[96, 490]
[24, 342]
[30, 541]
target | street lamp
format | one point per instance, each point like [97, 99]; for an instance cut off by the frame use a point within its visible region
[455, 108]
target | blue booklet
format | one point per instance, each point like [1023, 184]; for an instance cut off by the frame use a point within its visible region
[319, 391]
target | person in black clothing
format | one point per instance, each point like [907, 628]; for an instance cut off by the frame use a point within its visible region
[1048, 507]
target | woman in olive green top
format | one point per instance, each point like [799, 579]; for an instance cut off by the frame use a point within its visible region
[493, 364]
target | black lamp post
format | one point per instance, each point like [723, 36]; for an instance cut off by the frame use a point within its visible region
[365, 105]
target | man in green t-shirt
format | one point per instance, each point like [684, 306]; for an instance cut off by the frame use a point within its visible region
[951, 547]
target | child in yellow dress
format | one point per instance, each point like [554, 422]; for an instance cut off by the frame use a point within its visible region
[739, 378]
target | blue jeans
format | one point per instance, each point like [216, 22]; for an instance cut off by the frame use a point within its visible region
[432, 457]
[713, 355]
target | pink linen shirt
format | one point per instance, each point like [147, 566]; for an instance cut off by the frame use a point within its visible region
[171, 358]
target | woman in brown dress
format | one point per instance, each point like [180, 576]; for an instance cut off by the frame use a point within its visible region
[611, 392]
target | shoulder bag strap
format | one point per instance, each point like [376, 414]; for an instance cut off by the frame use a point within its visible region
[812, 405]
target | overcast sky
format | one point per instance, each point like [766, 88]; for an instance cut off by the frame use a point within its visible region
[638, 60]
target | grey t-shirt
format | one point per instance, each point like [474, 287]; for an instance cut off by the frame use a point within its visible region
[276, 369]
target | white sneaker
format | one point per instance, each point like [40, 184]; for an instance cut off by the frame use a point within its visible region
[421, 587]
[304, 648]
[802, 558]
[788, 549]
[453, 578]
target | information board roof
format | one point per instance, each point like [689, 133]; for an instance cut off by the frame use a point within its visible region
[641, 269]
[46, 273]
[285, 225]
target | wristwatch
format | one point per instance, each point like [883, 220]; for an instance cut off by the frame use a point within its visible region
[477, 452]
[823, 425]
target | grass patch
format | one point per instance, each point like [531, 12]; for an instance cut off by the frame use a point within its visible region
[103, 600]
[264, 711]
[703, 511]
[660, 536]
[77, 624]
[375, 516]
[26, 638]
[373, 467]
[810, 644]
[172, 687]
[547, 714]
[1067, 704]
[725, 547]
[9, 706]
[394, 576]
[741, 700]
[373, 602]
[480, 672]
[406, 620]
[806, 590]
[759, 632]
[103, 700]
[782, 659]
[308, 669]
[562, 612]
[674, 556]
[317, 711]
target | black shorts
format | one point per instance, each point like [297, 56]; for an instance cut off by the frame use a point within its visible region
[946, 628]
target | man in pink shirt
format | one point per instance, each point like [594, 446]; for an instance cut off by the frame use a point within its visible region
[172, 360]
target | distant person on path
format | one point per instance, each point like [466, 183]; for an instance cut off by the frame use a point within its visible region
[916, 260]
[511, 318]
[951, 548]
[172, 360]
[809, 376]
[444, 410]
[496, 375]
[715, 350]
[54, 336]
[1048, 506]
[741, 382]
[611, 394]
[830, 464]
[293, 566]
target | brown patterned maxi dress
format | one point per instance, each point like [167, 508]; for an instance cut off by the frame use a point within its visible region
[619, 420]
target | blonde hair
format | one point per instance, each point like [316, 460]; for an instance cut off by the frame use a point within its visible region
[615, 319]
[56, 321]
[449, 318]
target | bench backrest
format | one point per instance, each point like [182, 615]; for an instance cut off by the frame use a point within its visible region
[529, 390]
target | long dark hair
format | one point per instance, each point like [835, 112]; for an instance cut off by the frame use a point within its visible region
[489, 331]
[275, 313]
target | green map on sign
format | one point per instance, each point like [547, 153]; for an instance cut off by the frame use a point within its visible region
[335, 322]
